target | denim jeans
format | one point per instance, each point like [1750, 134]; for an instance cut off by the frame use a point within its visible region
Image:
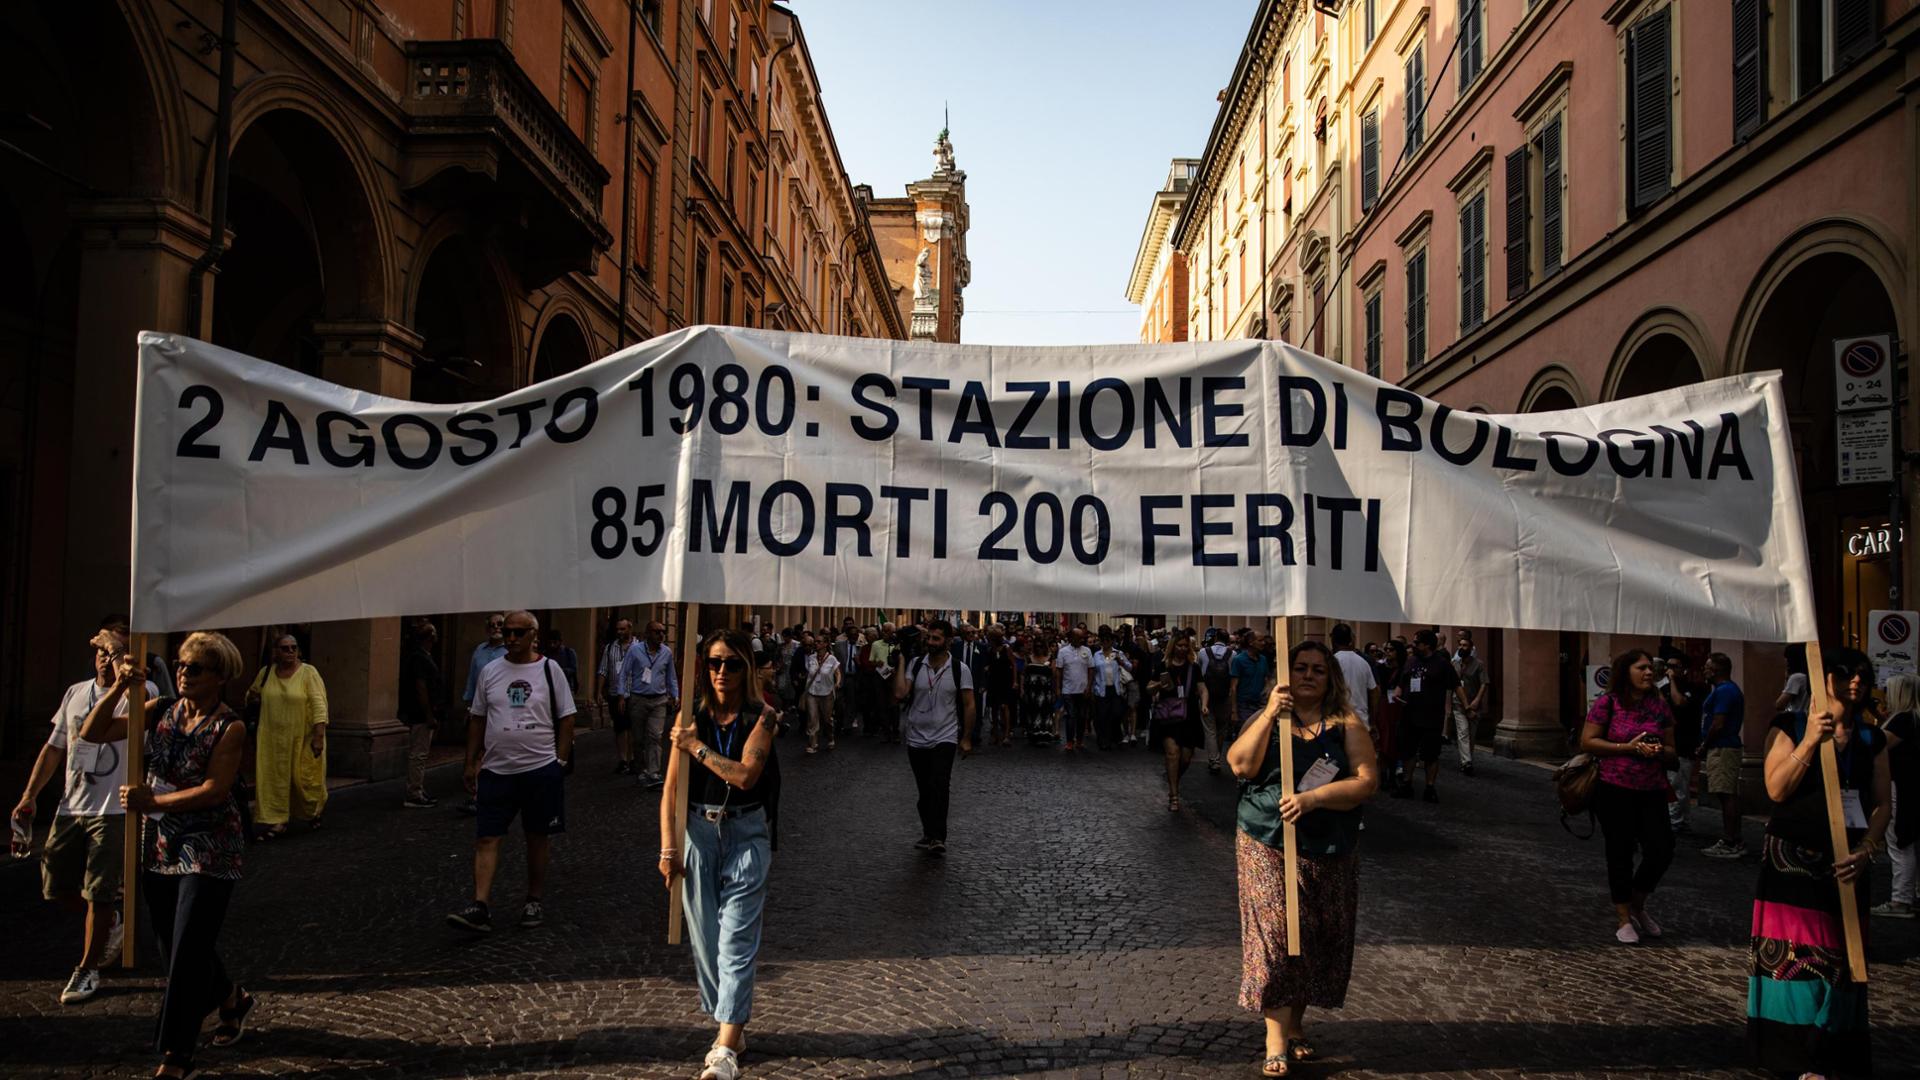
[725, 892]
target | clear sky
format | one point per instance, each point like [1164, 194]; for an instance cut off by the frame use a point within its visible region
[1066, 114]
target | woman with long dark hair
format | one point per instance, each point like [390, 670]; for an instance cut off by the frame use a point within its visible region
[1805, 1014]
[1179, 701]
[726, 851]
[1630, 729]
[1333, 775]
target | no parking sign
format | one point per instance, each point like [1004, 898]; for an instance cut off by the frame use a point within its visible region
[1893, 643]
[1863, 372]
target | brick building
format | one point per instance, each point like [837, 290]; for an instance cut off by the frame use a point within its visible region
[432, 199]
[1530, 205]
[1158, 282]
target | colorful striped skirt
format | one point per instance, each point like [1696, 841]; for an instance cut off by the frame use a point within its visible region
[1804, 1011]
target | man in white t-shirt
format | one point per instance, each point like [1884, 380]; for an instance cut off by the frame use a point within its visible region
[938, 690]
[1072, 687]
[519, 750]
[1362, 690]
[80, 865]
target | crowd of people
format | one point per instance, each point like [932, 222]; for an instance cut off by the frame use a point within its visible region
[1665, 733]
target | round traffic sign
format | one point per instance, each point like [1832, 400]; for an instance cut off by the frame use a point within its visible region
[1863, 359]
[1894, 629]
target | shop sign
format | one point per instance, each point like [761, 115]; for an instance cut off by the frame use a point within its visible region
[1863, 372]
[1872, 541]
[1893, 643]
[1866, 447]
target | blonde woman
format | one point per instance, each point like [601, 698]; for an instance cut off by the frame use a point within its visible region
[1333, 775]
[290, 749]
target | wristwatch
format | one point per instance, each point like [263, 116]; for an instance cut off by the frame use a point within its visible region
[700, 755]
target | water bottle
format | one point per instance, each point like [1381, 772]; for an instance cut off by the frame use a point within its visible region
[22, 836]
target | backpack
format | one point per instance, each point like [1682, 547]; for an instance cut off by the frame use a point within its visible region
[1219, 669]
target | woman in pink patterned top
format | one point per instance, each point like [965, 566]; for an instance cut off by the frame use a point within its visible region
[1631, 731]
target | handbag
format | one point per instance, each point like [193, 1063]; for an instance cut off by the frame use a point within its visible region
[1573, 783]
[1173, 710]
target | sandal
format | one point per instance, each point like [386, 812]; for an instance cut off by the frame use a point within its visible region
[233, 1022]
[314, 825]
[1173, 804]
[1299, 1049]
[272, 833]
[1275, 1065]
[171, 1060]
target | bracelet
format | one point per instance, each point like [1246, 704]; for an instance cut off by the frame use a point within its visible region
[664, 852]
[1802, 763]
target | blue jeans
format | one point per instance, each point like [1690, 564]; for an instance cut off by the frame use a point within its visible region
[725, 893]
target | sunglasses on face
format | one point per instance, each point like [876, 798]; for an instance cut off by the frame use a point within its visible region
[515, 631]
[732, 665]
[193, 670]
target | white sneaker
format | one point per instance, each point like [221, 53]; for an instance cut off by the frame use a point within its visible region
[83, 984]
[721, 1064]
[115, 937]
[1627, 935]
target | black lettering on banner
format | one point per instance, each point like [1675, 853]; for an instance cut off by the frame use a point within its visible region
[294, 442]
[1339, 416]
[763, 400]
[768, 501]
[1213, 410]
[477, 427]
[1151, 530]
[1337, 508]
[926, 386]
[331, 453]
[1482, 431]
[1675, 443]
[1505, 458]
[1622, 467]
[1049, 551]
[889, 420]
[903, 500]
[644, 515]
[1306, 502]
[589, 412]
[733, 521]
[1258, 529]
[1179, 420]
[1102, 530]
[834, 520]
[1064, 420]
[1373, 536]
[524, 411]
[688, 399]
[1559, 460]
[608, 537]
[190, 444]
[390, 432]
[1017, 437]
[1727, 449]
[1124, 432]
[939, 523]
[728, 412]
[991, 548]
[973, 400]
[1202, 528]
[643, 382]
[1398, 430]
[1316, 410]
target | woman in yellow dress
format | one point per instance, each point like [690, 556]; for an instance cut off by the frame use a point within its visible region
[290, 760]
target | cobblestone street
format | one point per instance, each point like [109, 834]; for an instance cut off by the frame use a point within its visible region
[1076, 928]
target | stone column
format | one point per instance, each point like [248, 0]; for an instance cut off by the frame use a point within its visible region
[1530, 696]
[135, 255]
[360, 659]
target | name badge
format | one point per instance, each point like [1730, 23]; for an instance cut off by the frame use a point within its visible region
[1413, 684]
[646, 676]
[1320, 774]
[1851, 811]
[85, 755]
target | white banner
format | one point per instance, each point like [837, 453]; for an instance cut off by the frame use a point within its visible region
[724, 465]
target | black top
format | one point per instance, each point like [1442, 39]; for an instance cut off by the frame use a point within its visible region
[1427, 706]
[1686, 720]
[417, 665]
[703, 787]
[1903, 762]
[1801, 818]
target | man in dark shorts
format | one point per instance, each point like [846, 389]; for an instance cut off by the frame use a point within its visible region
[1428, 685]
[519, 744]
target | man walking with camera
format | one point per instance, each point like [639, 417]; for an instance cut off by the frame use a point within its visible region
[937, 692]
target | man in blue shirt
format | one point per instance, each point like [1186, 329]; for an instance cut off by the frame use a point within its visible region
[1723, 716]
[1247, 683]
[653, 696]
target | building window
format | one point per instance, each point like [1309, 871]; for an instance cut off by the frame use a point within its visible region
[726, 170]
[700, 287]
[1369, 159]
[1519, 221]
[1472, 41]
[643, 199]
[1828, 35]
[726, 298]
[650, 17]
[1649, 109]
[576, 97]
[1416, 308]
[1416, 98]
[1369, 23]
[1547, 178]
[1473, 261]
[1373, 332]
[1241, 255]
[1749, 67]
[1320, 315]
[705, 148]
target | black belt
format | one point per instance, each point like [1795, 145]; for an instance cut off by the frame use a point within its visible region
[722, 813]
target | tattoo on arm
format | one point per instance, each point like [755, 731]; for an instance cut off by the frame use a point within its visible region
[756, 756]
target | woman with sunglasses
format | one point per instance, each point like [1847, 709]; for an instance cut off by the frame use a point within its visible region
[192, 852]
[725, 853]
[290, 751]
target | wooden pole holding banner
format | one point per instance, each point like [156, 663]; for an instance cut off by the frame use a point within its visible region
[1836, 820]
[131, 826]
[679, 765]
[1290, 851]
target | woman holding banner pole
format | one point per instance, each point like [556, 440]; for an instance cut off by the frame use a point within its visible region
[1334, 774]
[1630, 729]
[1805, 1014]
[726, 851]
[193, 847]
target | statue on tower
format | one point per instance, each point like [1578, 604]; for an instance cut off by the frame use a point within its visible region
[942, 154]
[923, 275]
